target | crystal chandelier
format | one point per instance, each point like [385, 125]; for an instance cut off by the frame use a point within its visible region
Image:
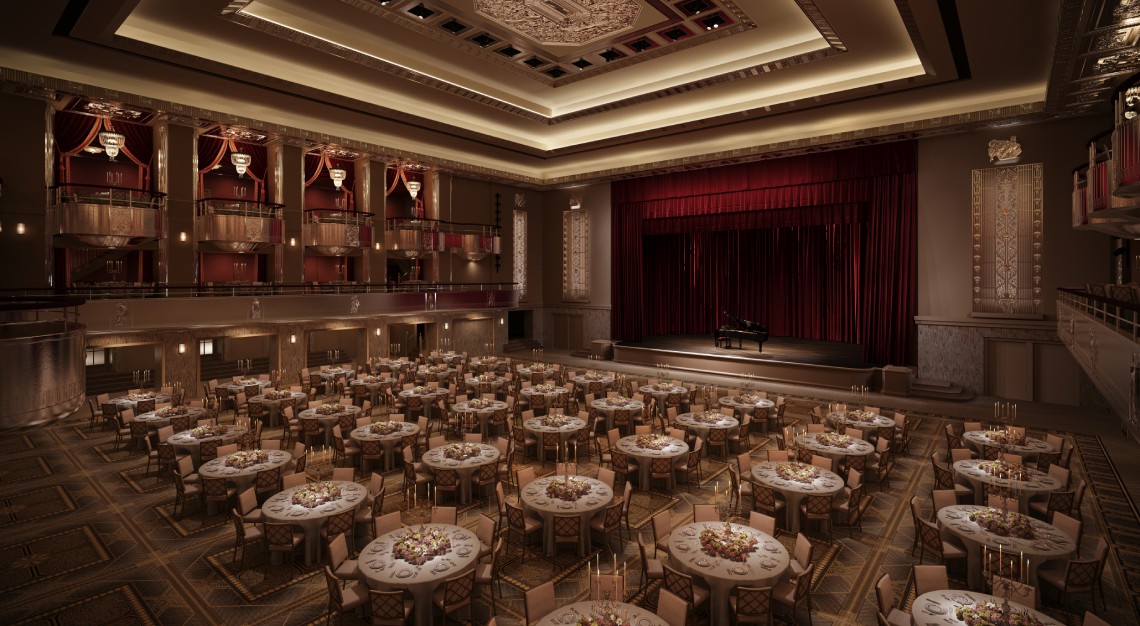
[241, 162]
[337, 175]
[112, 142]
[414, 188]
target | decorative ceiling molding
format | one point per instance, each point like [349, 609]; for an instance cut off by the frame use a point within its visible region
[1096, 49]
[562, 22]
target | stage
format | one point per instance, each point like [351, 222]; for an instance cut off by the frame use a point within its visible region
[784, 359]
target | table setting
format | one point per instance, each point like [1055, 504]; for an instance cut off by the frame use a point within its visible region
[1022, 481]
[1008, 440]
[566, 426]
[329, 414]
[389, 434]
[241, 467]
[970, 608]
[795, 480]
[612, 613]
[566, 495]
[704, 421]
[308, 505]
[272, 398]
[483, 409]
[161, 417]
[647, 447]
[131, 400]
[835, 446]
[191, 440]
[466, 458]
[607, 406]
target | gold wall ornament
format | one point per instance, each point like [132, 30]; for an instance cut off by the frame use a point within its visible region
[1004, 150]
[1006, 232]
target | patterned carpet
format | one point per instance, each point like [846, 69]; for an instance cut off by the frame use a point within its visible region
[90, 538]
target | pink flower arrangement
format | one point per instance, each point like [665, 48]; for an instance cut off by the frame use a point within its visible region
[835, 440]
[863, 417]
[486, 378]
[329, 409]
[385, 428]
[708, 417]
[601, 620]
[245, 382]
[245, 458]
[420, 546]
[1006, 437]
[568, 489]
[420, 390]
[480, 403]
[653, 442]
[316, 494]
[734, 545]
[799, 472]
[371, 379]
[279, 394]
[747, 398]
[990, 614]
[1003, 523]
[662, 386]
[146, 395]
[554, 421]
[207, 431]
[462, 451]
[545, 388]
[593, 376]
[171, 411]
[437, 369]
[537, 367]
[1003, 469]
[617, 401]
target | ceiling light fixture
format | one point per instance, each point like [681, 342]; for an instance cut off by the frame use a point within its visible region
[112, 142]
[241, 162]
[337, 175]
[414, 188]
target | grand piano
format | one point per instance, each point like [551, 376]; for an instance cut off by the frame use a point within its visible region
[740, 330]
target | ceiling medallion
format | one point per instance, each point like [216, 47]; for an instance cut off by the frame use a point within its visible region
[576, 22]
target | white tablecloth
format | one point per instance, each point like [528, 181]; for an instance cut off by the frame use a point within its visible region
[568, 615]
[279, 508]
[937, 608]
[827, 483]
[1037, 483]
[435, 459]
[674, 449]
[1049, 542]
[979, 438]
[242, 478]
[534, 498]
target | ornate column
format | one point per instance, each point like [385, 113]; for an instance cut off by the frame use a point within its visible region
[363, 176]
[275, 188]
[161, 177]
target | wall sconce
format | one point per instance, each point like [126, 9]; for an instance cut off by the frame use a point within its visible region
[377, 246]
[182, 236]
[292, 338]
[181, 348]
[20, 228]
[377, 332]
[241, 162]
[292, 242]
[337, 175]
[445, 326]
[500, 321]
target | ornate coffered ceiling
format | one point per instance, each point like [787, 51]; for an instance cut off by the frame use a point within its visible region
[661, 84]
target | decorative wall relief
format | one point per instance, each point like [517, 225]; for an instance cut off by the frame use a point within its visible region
[354, 305]
[576, 256]
[519, 270]
[255, 309]
[1007, 221]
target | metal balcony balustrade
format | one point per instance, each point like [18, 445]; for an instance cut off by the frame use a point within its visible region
[106, 216]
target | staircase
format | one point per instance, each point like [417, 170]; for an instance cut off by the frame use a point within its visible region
[516, 345]
[939, 390]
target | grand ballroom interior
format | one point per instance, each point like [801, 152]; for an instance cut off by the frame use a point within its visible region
[570, 312]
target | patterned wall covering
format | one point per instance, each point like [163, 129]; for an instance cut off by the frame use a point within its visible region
[576, 256]
[470, 335]
[520, 264]
[595, 323]
[1007, 236]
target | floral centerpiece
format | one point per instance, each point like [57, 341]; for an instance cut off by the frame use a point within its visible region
[420, 546]
[279, 394]
[835, 440]
[662, 386]
[209, 430]
[747, 398]
[799, 472]
[537, 367]
[734, 545]
[315, 494]
[172, 411]
[329, 409]
[371, 379]
[653, 442]
[1005, 524]
[554, 421]
[617, 401]
[437, 369]
[1001, 468]
[480, 403]
[245, 458]
[462, 451]
[865, 417]
[385, 428]
[245, 382]
[708, 417]
[420, 390]
[1007, 438]
[568, 489]
[990, 614]
[145, 395]
[487, 377]
[606, 619]
[593, 376]
[545, 388]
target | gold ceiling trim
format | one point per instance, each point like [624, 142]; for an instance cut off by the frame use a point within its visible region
[1096, 48]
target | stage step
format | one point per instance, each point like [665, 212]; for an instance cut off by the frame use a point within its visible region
[519, 345]
[939, 390]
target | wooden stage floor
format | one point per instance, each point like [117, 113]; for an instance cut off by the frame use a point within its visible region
[776, 349]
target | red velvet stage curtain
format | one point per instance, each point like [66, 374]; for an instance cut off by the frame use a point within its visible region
[818, 246]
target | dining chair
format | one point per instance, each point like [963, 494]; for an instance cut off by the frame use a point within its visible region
[216, 490]
[294, 480]
[343, 599]
[781, 456]
[389, 608]
[1077, 575]
[817, 508]
[662, 526]
[244, 535]
[282, 538]
[387, 523]
[268, 482]
[752, 605]
[607, 523]
[823, 462]
[705, 513]
[765, 501]
[651, 569]
[801, 555]
[568, 529]
[455, 593]
[444, 515]
[686, 588]
[524, 477]
[944, 479]
[763, 523]
[1092, 620]
[889, 608]
[520, 524]
[343, 567]
[672, 609]
[539, 602]
[941, 499]
[849, 509]
[930, 540]
[930, 578]
[792, 592]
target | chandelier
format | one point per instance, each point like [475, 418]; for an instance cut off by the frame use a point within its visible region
[414, 188]
[337, 175]
[241, 162]
[112, 142]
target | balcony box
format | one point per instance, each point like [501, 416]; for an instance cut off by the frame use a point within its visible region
[331, 232]
[108, 217]
[238, 225]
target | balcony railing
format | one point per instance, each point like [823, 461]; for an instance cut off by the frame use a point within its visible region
[413, 238]
[1115, 306]
[334, 232]
[171, 290]
[239, 225]
[102, 216]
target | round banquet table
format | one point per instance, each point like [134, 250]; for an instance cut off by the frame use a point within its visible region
[603, 406]
[484, 413]
[1050, 542]
[331, 420]
[332, 372]
[154, 420]
[450, 358]
[383, 571]
[545, 371]
[435, 459]
[534, 498]
[692, 422]
[239, 386]
[374, 384]
[397, 365]
[762, 568]
[242, 478]
[489, 364]
[869, 426]
[279, 508]
[858, 447]
[979, 438]
[442, 374]
[128, 402]
[428, 397]
[185, 440]
[388, 441]
[937, 608]
[747, 404]
[567, 431]
[491, 381]
[531, 392]
[569, 614]
[827, 483]
[674, 449]
[273, 407]
[1037, 483]
[597, 384]
[661, 391]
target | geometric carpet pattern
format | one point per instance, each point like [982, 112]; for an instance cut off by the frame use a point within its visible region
[88, 536]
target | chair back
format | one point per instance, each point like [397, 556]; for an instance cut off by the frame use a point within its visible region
[930, 578]
[671, 608]
[754, 604]
[662, 525]
[387, 523]
[387, 607]
[705, 513]
[885, 594]
[340, 523]
[569, 527]
[606, 475]
[763, 523]
[803, 550]
[678, 584]
[539, 602]
[444, 515]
